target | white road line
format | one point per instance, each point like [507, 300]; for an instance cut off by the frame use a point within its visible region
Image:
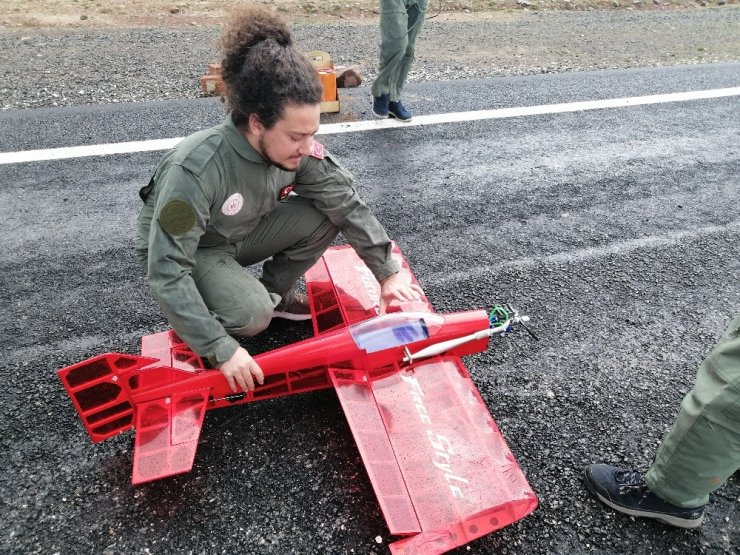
[351, 127]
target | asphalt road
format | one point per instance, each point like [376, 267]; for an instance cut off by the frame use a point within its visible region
[616, 230]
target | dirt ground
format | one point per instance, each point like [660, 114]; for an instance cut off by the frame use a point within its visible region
[171, 13]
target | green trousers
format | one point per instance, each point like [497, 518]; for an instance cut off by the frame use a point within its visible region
[702, 449]
[290, 240]
[400, 23]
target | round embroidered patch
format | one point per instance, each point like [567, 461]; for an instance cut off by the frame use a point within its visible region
[232, 205]
[177, 217]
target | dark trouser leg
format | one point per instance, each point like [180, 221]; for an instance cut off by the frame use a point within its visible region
[416, 13]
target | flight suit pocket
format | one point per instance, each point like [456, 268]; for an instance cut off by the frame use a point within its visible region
[209, 259]
[393, 21]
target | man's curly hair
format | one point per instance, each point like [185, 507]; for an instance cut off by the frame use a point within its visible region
[262, 70]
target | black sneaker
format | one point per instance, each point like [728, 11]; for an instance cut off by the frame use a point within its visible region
[294, 306]
[380, 106]
[396, 110]
[626, 491]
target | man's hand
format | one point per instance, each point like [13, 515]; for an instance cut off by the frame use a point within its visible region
[396, 288]
[241, 369]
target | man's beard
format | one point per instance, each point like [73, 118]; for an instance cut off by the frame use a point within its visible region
[266, 156]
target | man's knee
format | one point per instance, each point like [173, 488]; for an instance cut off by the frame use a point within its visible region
[237, 299]
[315, 229]
[248, 319]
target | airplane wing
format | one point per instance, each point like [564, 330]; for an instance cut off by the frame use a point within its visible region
[440, 468]
[343, 291]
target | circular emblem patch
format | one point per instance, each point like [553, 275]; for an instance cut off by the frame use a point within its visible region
[177, 217]
[233, 204]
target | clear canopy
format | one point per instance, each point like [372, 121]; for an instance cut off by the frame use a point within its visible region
[395, 330]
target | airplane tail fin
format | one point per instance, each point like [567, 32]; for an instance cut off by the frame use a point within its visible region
[100, 391]
[167, 432]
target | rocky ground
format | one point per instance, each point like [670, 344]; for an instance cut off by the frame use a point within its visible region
[62, 65]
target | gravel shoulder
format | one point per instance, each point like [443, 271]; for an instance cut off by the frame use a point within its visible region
[61, 66]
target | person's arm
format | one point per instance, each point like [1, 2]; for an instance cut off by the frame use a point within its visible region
[181, 214]
[331, 189]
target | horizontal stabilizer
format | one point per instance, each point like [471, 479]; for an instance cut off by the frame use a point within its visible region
[167, 432]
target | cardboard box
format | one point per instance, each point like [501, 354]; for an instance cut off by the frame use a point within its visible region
[322, 62]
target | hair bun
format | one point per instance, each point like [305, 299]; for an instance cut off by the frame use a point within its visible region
[262, 69]
[249, 26]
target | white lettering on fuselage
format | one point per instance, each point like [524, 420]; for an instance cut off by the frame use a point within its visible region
[443, 451]
[371, 285]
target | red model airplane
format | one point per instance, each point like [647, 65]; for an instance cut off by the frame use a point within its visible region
[439, 465]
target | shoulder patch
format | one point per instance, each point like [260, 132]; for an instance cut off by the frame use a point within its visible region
[317, 150]
[177, 217]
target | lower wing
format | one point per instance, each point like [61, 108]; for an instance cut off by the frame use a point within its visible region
[441, 469]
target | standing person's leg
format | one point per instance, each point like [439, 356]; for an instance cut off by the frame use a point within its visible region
[416, 12]
[393, 43]
[702, 449]
[293, 237]
[696, 457]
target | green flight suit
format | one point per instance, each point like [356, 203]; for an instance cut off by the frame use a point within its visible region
[702, 449]
[216, 205]
[400, 23]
